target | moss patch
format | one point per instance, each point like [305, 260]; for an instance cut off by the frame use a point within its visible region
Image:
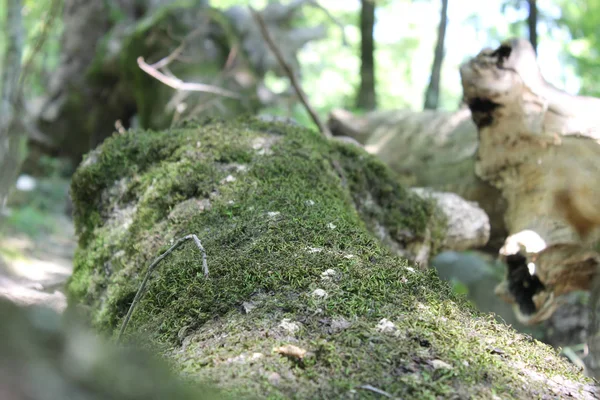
[287, 219]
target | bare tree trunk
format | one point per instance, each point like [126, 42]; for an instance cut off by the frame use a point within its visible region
[432, 94]
[532, 23]
[11, 70]
[366, 98]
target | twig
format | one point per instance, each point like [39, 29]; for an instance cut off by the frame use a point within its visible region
[288, 70]
[341, 26]
[152, 267]
[375, 390]
[178, 84]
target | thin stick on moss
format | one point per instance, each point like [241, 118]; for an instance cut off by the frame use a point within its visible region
[375, 390]
[152, 267]
[290, 73]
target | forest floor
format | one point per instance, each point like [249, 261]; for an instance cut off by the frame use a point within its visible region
[36, 253]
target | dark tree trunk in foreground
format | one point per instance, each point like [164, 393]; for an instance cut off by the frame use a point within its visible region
[366, 98]
[11, 70]
[433, 90]
[532, 23]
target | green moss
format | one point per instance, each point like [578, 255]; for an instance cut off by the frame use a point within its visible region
[285, 206]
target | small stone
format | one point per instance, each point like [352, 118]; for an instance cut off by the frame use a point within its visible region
[228, 178]
[319, 293]
[386, 326]
[340, 324]
[439, 364]
[289, 326]
[274, 378]
[328, 274]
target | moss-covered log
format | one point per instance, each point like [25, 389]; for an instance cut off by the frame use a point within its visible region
[289, 221]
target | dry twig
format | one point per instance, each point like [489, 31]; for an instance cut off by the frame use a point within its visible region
[376, 390]
[152, 267]
[288, 71]
[178, 84]
[333, 19]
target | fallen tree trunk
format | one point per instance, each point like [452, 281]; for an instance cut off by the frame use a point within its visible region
[302, 300]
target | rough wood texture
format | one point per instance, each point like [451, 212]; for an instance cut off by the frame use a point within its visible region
[538, 146]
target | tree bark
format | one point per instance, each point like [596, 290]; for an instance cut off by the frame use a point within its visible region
[432, 94]
[532, 23]
[367, 97]
[10, 138]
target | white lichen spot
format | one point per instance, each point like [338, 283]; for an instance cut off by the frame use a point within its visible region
[339, 324]
[386, 326]
[263, 144]
[248, 306]
[309, 203]
[289, 326]
[319, 293]
[314, 249]
[328, 274]
[241, 359]
[439, 364]
[228, 179]
[331, 225]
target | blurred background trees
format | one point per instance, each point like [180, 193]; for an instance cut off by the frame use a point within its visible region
[82, 78]
[389, 54]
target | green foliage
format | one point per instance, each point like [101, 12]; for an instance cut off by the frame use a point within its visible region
[582, 18]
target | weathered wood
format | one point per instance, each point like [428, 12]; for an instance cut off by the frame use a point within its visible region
[538, 146]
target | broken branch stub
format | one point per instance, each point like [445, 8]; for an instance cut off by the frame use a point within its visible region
[538, 146]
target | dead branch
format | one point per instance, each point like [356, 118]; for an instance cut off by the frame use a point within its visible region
[178, 84]
[290, 73]
[152, 267]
